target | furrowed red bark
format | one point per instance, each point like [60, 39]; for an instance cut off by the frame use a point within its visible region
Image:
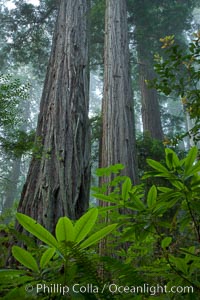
[118, 141]
[59, 175]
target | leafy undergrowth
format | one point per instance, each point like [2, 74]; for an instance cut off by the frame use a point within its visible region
[151, 251]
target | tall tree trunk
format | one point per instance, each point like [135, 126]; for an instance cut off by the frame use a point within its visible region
[58, 182]
[118, 140]
[151, 116]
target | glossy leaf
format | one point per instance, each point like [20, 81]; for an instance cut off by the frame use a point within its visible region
[152, 196]
[180, 264]
[136, 203]
[105, 198]
[194, 169]
[179, 185]
[25, 258]
[37, 230]
[157, 166]
[190, 160]
[97, 236]
[165, 242]
[64, 230]
[126, 187]
[172, 160]
[46, 257]
[85, 224]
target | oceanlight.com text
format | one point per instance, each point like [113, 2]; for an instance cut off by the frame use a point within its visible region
[77, 288]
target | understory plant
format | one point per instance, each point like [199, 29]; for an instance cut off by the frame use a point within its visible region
[159, 235]
[154, 253]
[62, 267]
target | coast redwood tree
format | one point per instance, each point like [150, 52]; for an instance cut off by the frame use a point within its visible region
[151, 116]
[59, 175]
[118, 140]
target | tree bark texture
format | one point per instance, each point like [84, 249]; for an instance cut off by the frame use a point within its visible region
[118, 140]
[151, 116]
[58, 182]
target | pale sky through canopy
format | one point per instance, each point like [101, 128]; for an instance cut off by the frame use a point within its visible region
[11, 5]
[35, 2]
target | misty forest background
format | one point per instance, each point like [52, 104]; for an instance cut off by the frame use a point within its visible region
[99, 108]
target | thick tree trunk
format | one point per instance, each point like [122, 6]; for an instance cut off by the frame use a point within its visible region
[58, 182]
[118, 140]
[151, 117]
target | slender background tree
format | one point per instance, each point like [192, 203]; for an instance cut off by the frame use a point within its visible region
[118, 136]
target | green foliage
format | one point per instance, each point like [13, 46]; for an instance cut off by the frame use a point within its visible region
[38, 230]
[18, 142]
[157, 241]
[162, 226]
[178, 74]
[11, 92]
[148, 148]
[64, 230]
[97, 25]
[30, 28]
[7, 219]
[46, 257]
[96, 129]
[25, 258]
[62, 261]
[84, 225]
[13, 140]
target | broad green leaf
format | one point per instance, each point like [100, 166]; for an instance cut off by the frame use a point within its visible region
[9, 281]
[179, 185]
[11, 272]
[46, 257]
[165, 242]
[7, 274]
[105, 198]
[17, 293]
[160, 209]
[109, 208]
[164, 189]
[152, 196]
[126, 187]
[141, 233]
[25, 258]
[109, 170]
[84, 224]
[189, 160]
[64, 230]
[190, 253]
[149, 174]
[136, 203]
[195, 182]
[37, 230]
[166, 197]
[115, 168]
[172, 160]
[180, 264]
[169, 158]
[157, 166]
[194, 169]
[162, 206]
[97, 236]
